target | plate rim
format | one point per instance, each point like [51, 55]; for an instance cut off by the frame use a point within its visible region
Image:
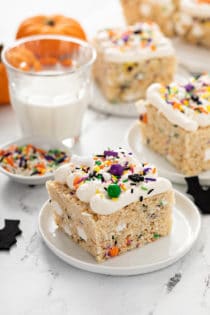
[123, 271]
[178, 178]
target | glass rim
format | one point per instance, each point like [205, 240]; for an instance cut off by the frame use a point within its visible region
[70, 39]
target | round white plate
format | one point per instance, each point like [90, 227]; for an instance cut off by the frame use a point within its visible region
[194, 58]
[165, 168]
[100, 103]
[44, 143]
[154, 256]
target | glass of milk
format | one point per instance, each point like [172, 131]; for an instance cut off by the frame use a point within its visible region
[49, 82]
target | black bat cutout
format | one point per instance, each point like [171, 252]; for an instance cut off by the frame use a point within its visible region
[201, 196]
[8, 234]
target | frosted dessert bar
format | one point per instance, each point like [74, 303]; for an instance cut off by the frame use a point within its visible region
[175, 122]
[130, 58]
[193, 22]
[162, 12]
[110, 203]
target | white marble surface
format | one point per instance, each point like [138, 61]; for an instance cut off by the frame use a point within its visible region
[35, 282]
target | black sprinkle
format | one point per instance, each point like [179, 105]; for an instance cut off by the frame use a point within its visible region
[137, 32]
[150, 191]
[133, 184]
[113, 237]
[115, 243]
[136, 178]
[61, 160]
[129, 68]
[100, 155]
[141, 198]
[132, 190]
[105, 188]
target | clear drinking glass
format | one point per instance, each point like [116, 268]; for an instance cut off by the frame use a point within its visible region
[49, 82]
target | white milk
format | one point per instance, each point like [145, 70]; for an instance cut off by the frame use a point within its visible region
[51, 108]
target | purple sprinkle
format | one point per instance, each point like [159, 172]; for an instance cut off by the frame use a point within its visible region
[150, 179]
[125, 38]
[110, 153]
[82, 179]
[116, 169]
[189, 87]
[49, 158]
[147, 169]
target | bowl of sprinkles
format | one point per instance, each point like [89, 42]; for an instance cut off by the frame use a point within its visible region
[31, 160]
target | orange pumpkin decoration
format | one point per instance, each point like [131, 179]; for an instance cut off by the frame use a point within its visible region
[22, 58]
[50, 25]
[54, 24]
[4, 91]
[204, 1]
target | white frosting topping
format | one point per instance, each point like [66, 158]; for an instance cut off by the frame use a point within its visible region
[187, 106]
[60, 174]
[196, 9]
[112, 181]
[142, 41]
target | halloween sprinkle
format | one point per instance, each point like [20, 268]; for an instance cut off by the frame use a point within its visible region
[117, 171]
[193, 96]
[28, 160]
[141, 35]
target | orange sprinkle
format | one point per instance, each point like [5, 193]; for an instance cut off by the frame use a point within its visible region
[10, 161]
[144, 118]
[76, 181]
[153, 47]
[114, 251]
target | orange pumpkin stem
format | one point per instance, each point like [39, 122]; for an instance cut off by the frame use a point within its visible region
[1, 48]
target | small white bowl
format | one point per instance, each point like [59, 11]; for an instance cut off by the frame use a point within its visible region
[44, 143]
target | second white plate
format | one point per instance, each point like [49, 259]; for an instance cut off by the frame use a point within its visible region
[165, 168]
[157, 255]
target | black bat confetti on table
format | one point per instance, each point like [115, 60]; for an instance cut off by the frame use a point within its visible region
[201, 195]
[8, 234]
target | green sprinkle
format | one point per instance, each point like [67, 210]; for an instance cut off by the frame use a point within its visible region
[144, 188]
[54, 151]
[125, 181]
[156, 235]
[113, 191]
[98, 163]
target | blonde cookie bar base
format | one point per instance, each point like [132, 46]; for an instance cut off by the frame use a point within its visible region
[105, 236]
[194, 30]
[126, 82]
[184, 149]
[164, 14]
